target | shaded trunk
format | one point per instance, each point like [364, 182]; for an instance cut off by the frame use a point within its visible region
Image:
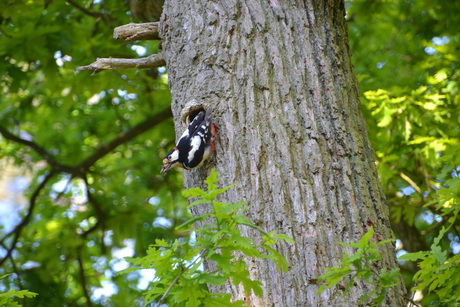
[278, 79]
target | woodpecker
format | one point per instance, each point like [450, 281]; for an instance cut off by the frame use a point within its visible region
[194, 146]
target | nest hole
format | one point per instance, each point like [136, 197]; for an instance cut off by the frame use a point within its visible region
[192, 114]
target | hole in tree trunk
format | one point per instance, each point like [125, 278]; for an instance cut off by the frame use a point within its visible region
[190, 110]
[193, 114]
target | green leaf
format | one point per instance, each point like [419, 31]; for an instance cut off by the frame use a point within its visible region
[7, 297]
[366, 238]
[360, 266]
[217, 280]
[385, 242]
[177, 266]
[255, 227]
[241, 275]
[192, 221]
[194, 192]
[438, 253]
[413, 256]
[211, 180]
[278, 259]
[387, 117]
[160, 243]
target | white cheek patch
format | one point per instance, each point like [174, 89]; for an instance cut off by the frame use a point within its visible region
[175, 156]
[195, 145]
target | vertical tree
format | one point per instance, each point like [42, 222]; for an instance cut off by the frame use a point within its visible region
[278, 79]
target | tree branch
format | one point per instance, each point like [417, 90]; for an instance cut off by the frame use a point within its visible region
[97, 208]
[84, 10]
[153, 60]
[83, 167]
[17, 230]
[18, 275]
[411, 183]
[435, 226]
[83, 278]
[137, 31]
[38, 149]
[79, 170]
[183, 270]
[125, 137]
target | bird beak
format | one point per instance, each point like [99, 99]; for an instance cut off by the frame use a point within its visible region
[165, 168]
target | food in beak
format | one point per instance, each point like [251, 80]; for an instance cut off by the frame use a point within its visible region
[165, 168]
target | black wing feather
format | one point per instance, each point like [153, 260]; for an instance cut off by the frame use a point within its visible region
[198, 127]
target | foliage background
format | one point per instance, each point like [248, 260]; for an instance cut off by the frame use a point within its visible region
[93, 206]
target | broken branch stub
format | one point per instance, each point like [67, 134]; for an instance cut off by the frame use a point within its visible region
[137, 31]
[153, 60]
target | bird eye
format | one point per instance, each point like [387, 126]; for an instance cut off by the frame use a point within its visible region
[169, 157]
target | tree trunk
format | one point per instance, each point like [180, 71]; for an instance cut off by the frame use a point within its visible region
[278, 79]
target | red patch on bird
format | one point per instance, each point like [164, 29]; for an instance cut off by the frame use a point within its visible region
[175, 148]
[213, 138]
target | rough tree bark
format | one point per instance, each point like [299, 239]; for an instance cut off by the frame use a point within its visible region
[278, 79]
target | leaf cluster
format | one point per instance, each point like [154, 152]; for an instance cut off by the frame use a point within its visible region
[439, 274]
[7, 298]
[439, 271]
[411, 102]
[85, 153]
[362, 264]
[214, 255]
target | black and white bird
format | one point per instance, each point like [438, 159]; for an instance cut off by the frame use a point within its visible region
[194, 146]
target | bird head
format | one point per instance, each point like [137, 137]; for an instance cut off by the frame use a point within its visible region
[170, 160]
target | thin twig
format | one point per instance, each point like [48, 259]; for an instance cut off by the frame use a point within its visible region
[174, 282]
[97, 208]
[411, 299]
[38, 149]
[17, 230]
[16, 270]
[411, 183]
[84, 10]
[124, 137]
[434, 226]
[81, 169]
[83, 278]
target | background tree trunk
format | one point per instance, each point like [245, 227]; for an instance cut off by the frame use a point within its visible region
[278, 79]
